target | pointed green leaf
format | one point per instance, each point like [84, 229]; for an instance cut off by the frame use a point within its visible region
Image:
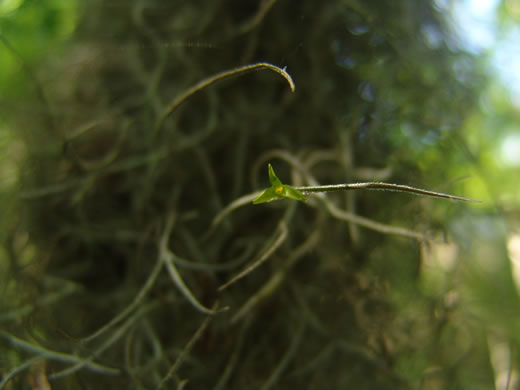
[275, 182]
[292, 193]
[267, 196]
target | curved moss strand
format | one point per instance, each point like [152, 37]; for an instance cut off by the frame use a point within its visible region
[18, 369]
[237, 203]
[220, 266]
[127, 353]
[282, 236]
[263, 9]
[167, 258]
[45, 300]
[143, 292]
[58, 356]
[277, 278]
[217, 77]
[123, 165]
[119, 332]
[143, 336]
[148, 284]
[179, 283]
[370, 224]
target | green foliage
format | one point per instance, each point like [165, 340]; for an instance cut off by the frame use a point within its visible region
[277, 190]
[29, 31]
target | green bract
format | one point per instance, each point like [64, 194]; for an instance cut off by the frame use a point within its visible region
[277, 190]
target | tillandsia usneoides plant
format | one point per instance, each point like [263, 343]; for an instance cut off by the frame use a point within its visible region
[279, 191]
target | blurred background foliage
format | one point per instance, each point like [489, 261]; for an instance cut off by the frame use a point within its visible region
[106, 207]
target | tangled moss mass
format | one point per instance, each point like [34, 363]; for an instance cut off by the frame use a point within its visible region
[141, 161]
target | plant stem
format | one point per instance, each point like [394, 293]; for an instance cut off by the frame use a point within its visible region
[380, 186]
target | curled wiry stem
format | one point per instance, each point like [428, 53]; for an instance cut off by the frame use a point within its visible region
[281, 238]
[167, 258]
[217, 77]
